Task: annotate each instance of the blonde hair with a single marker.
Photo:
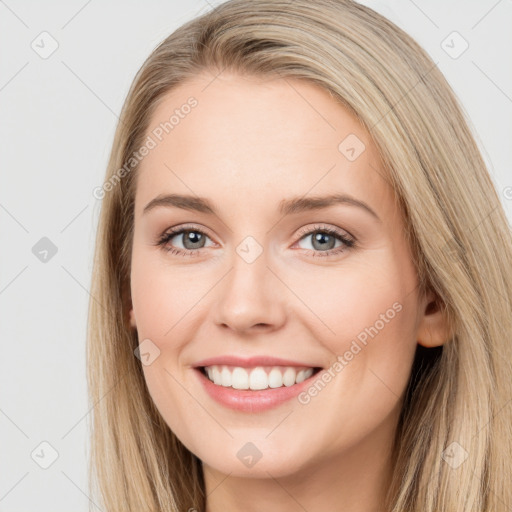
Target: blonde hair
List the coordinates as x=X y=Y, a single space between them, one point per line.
x=456 y=227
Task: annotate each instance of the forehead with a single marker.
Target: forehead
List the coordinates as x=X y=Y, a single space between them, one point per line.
x=242 y=138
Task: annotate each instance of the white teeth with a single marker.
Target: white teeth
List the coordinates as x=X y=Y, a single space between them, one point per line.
x=225 y=376
x=257 y=378
x=239 y=379
x=275 y=378
x=300 y=376
x=289 y=377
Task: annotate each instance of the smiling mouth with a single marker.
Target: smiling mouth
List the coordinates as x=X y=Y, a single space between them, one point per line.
x=258 y=377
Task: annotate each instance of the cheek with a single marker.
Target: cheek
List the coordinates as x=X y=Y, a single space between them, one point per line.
x=161 y=295
x=358 y=300
x=365 y=314
x=166 y=302
x=372 y=348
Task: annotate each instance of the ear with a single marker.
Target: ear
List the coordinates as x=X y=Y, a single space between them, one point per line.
x=433 y=329
x=133 y=323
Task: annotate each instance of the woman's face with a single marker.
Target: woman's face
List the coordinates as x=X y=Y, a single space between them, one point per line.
x=258 y=276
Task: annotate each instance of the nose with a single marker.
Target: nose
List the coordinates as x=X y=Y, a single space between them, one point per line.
x=250 y=298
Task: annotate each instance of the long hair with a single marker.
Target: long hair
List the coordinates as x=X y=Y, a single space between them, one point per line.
x=453 y=445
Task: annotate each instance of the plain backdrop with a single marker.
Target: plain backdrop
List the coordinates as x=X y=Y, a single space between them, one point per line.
x=58 y=115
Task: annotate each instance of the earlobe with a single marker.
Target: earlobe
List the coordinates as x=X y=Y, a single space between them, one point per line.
x=434 y=329
x=132 y=319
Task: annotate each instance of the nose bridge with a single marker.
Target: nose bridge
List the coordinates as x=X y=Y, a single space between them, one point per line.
x=249 y=295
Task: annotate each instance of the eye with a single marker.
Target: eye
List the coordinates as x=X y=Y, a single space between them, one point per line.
x=192 y=238
x=323 y=240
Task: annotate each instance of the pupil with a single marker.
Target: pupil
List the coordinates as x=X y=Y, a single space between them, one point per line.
x=319 y=237
x=193 y=237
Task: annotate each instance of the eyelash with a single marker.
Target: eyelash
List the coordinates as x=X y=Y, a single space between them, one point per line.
x=349 y=243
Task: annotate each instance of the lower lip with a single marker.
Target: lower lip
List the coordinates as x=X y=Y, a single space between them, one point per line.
x=247 y=400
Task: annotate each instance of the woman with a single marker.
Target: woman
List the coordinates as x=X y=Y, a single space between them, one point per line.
x=233 y=362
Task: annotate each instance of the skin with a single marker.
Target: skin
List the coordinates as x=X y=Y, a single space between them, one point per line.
x=247 y=145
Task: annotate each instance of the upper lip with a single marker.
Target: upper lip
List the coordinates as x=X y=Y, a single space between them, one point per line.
x=249 y=362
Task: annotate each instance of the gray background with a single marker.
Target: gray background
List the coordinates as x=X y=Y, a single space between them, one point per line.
x=58 y=119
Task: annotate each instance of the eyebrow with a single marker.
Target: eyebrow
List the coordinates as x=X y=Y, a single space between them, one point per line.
x=286 y=206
